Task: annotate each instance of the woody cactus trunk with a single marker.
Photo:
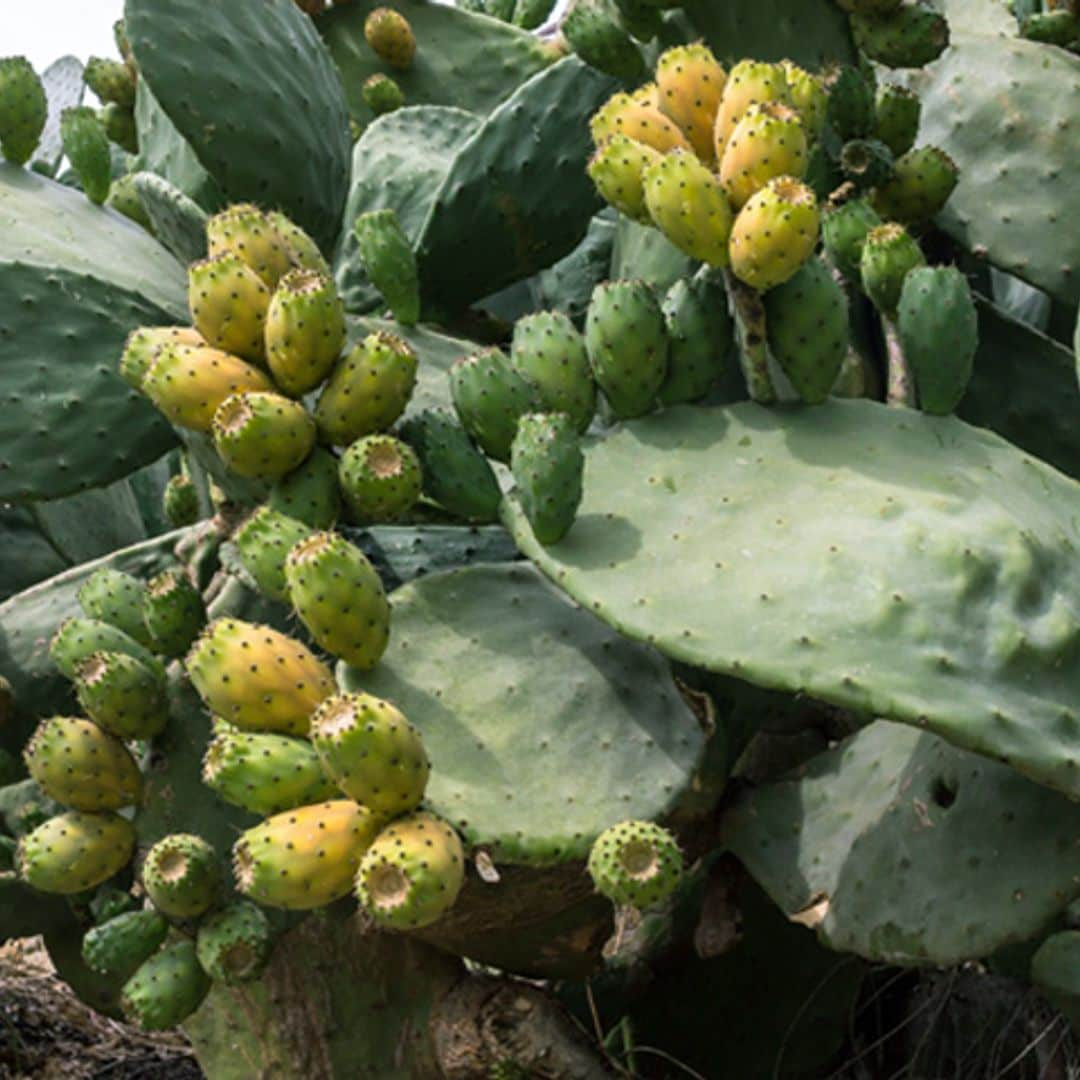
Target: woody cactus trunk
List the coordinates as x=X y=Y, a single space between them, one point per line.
x=540 y=546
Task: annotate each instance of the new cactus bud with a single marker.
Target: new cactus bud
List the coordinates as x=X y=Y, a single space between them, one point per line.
x=303 y=252
x=636 y=864
x=389 y=262
x=86 y=146
x=750 y=82
x=922 y=181
x=338 y=596
x=639 y=120
x=257 y=678
x=182 y=875
x=768 y=141
x=549 y=353
x=116 y=598
x=866 y=163
x=626 y=338
x=262 y=436
x=391 y=37
x=228 y=303
x=690 y=82
x=368 y=390
x=851 y=105
x=700 y=336
x=889 y=254
x=234 y=944
x=490 y=397
x=548 y=467
x=119 y=945
x=23 y=109
x=809 y=97
x=618 y=171
x=180 y=502
x=774 y=234
x=75 y=851
x=305 y=331
x=245 y=231
x=144 y=345
x=373 y=753
x=380 y=478
x=304 y=858
x=896 y=117
x=262 y=543
x=81 y=766
x=166 y=989
x=309 y=493
x=593 y=31
x=412 y=873
x=909 y=37
x=122 y=695
x=76 y=639
x=111 y=80
x=381 y=94
x=843 y=232
x=173 y=612
x=118 y=123
x=689 y=206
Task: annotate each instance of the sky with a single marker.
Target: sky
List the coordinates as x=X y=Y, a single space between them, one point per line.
x=44 y=30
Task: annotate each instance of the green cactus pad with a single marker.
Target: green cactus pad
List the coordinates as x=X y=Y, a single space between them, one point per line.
x=75 y=851
x=120 y=944
x=179 y=223
x=234 y=944
x=166 y=989
x=65 y=89
x=636 y=863
x=724 y=536
x=122 y=695
x=1055 y=970
x=24 y=109
x=513 y=766
x=885 y=841
x=389 y=262
x=181 y=875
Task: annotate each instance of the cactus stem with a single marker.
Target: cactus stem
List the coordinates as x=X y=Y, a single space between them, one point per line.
x=901 y=389
x=749 y=312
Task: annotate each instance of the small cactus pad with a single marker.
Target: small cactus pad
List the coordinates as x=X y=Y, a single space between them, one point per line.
x=75 y=851
x=166 y=989
x=234 y=944
x=23 y=109
x=547 y=464
x=635 y=863
x=182 y=875
x=119 y=945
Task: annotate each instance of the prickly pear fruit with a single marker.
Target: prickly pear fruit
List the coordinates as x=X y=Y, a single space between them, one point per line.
x=866 y=163
x=909 y=37
x=391 y=37
x=173 y=612
x=118 y=946
x=309 y=493
x=122 y=695
x=889 y=253
x=594 y=32
x=627 y=343
x=368 y=390
x=256 y=677
x=768 y=141
x=939 y=333
x=750 y=82
x=180 y=502
x=228 y=303
x=245 y=231
x=234 y=944
x=1058 y=27
x=144 y=345
x=455 y=474
x=635 y=863
x=851 y=105
x=117 y=598
x=531 y=14
x=618 y=171
x=896 y=117
x=338 y=596
x=303 y=252
x=166 y=989
x=689 y=206
x=86 y=146
x=690 y=82
x=412 y=873
x=188 y=384
x=75 y=851
x=81 y=766
x=700 y=336
x=639 y=120
x=490 y=397
x=843 y=231
x=304 y=858
x=262 y=543
x=548 y=466
x=774 y=234
x=380 y=478
x=23 y=109
x=305 y=331
x=549 y=353
x=389 y=262
x=123 y=45
x=809 y=97
x=641 y=18
x=807 y=320
x=373 y=753
x=111 y=80
x=922 y=181
x=76 y=639
x=262 y=436
x=118 y=123
x=182 y=876
x=108 y=902
x=381 y=94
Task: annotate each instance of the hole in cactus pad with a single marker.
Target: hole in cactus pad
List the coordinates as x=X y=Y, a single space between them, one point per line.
x=943 y=792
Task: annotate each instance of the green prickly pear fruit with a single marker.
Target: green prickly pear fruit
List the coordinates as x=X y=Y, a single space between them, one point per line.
x=75 y=851
x=807 y=320
x=548 y=467
x=23 y=109
x=165 y=989
x=592 y=29
x=368 y=390
x=455 y=474
x=843 y=232
x=768 y=141
x=244 y=231
x=228 y=303
x=626 y=338
x=119 y=945
x=262 y=436
x=303 y=252
x=823 y=174
x=173 y=612
x=389 y=262
x=866 y=163
x=896 y=117
x=111 y=80
x=144 y=345
x=774 y=234
x=549 y=353
x=889 y=254
x=809 y=97
x=256 y=677
x=124 y=199
x=640 y=119
x=412 y=873
x=262 y=543
x=851 y=105
x=380 y=478
x=1059 y=27
x=180 y=502
x=640 y=18
x=118 y=122
x=234 y=944
x=86 y=146
x=908 y=37
x=530 y=14
x=700 y=335
x=750 y=82
x=305 y=331
x=122 y=695
x=264 y=773
x=490 y=397
x=391 y=37
x=690 y=82
x=618 y=171
x=635 y=864
x=81 y=766
x=108 y=902
x=189 y=383
x=337 y=595
x=939 y=333
x=306 y=857
x=309 y=493
x=182 y=876
x=76 y=639
x=117 y=598
x=373 y=753
x=922 y=181
x=381 y=94
x=689 y=206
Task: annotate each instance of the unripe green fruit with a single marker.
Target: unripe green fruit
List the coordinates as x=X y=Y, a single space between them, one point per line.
x=166 y=989
x=851 y=105
x=380 y=478
x=594 y=33
x=635 y=863
x=263 y=542
x=897 y=114
x=173 y=611
x=888 y=255
x=866 y=163
x=700 y=335
x=23 y=109
x=122 y=695
x=110 y=80
x=116 y=598
x=922 y=181
x=262 y=436
x=548 y=466
x=389 y=262
x=75 y=851
x=844 y=230
x=118 y=122
x=907 y=37
x=550 y=354
x=86 y=146
x=381 y=94
x=234 y=944
x=180 y=502
x=76 y=639
x=490 y=398
x=182 y=875
x=310 y=492
x=119 y=945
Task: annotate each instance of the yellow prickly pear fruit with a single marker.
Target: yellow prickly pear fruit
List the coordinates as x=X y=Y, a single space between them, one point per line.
x=145 y=343
x=618 y=171
x=689 y=206
x=691 y=81
x=245 y=231
x=391 y=37
x=750 y=82
x=303 y=251
x=75 y=851
x=768 y=141
x=228 y=303
x=809 y=96
x=774 y=233
x=305 y=331
x=642 y=122
x=262 y=436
